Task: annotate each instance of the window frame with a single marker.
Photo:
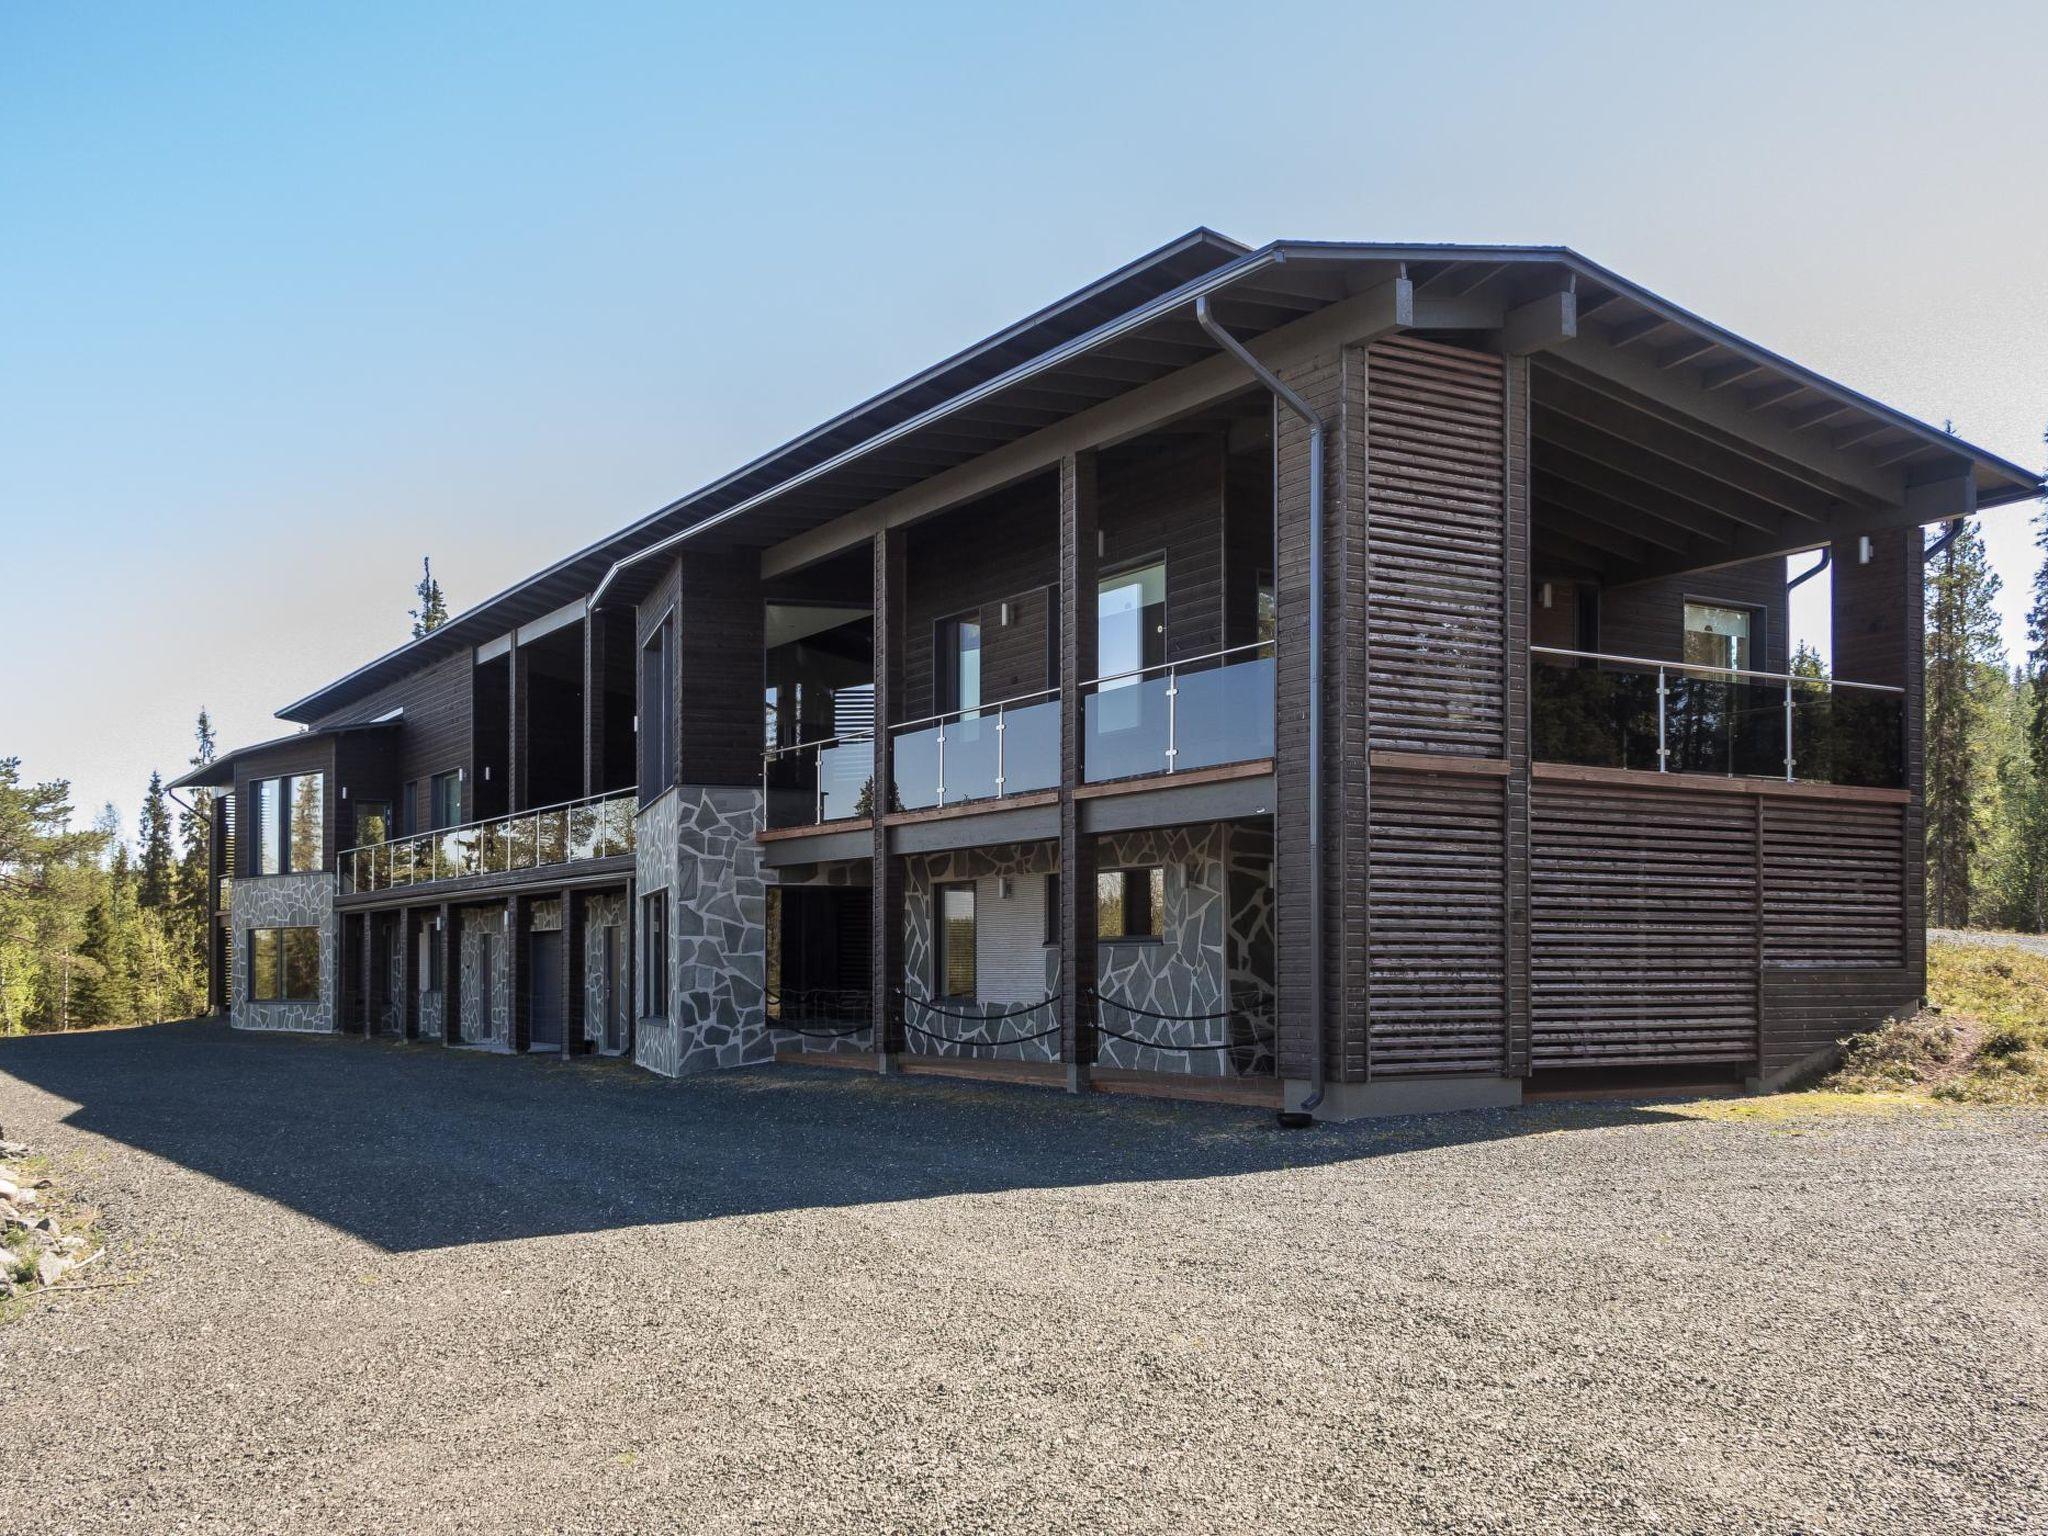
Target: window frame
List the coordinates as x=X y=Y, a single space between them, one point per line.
x=654 y=994
x=942 y=949
x=282 y=963
x=1148 y=878
x=946 y=653
x=451 y=778
x=654 y=727
x=1756 y=613
x=1152 y=643
x=273 y=842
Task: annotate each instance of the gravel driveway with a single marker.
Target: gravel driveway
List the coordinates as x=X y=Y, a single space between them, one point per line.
x=397 y=1288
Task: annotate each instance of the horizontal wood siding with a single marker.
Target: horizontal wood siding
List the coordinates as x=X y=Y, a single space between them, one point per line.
x=1436 y=997
x=1834 y=885
x=434 y=734
x=1438 y=542
x=1647 y=618
x=1643 y=923
x=1810 y=1012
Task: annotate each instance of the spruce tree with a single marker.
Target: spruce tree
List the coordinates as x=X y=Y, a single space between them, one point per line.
x=155 y=888
x=432 y=612
x=1964 y=659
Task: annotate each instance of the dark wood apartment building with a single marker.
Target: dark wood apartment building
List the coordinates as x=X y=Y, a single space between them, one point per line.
x=1349 y=677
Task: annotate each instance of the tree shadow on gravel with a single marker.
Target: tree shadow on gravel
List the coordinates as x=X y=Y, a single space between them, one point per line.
x=414 y=1146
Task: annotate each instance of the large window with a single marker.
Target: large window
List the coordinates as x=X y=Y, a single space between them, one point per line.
x=446 y=809
x=373 y=821
x=1130 y=903
x=953 y=962
x=657 y=730
x=290 y=824
x=1717 y=636
x=1130 y=622
x=956 y=663
x=409 y=808
x=284 y=965
x=654 y=955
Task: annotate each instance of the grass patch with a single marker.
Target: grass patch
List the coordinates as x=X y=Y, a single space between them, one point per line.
x=1984 y=1040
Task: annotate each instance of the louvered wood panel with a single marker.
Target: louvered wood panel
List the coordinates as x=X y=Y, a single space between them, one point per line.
x=1834 y=885
x=1438 y=546
x=1643 y=918
x=1436 y=1000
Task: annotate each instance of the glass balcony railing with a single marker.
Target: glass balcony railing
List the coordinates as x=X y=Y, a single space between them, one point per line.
x=1603 y=711
x=1179 y=716
x=1007 y=748
x=819 y=781
x=577 y=831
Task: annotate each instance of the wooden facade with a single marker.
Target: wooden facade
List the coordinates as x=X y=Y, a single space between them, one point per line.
x=1521 y=452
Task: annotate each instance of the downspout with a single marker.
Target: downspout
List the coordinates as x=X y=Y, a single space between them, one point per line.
x=1305 y=1113
x=1827 y=558
x=1944 y=541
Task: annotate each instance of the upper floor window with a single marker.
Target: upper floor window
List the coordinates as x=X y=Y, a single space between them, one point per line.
x=956 y=663
x=1722 y=637
x=656 y=723
x=290 y=824
x=446 y=810
x=373 y=821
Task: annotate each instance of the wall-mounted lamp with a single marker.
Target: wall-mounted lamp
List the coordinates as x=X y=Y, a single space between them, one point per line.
x=1863 y=549
x=1003 y=614
x=1006 y=887
x=1546 y=594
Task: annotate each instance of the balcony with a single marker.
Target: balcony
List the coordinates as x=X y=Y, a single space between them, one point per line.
x=1007 y=748
x=811 y=782
x=575 y=832
x=1180 y=715
x=1601 y=711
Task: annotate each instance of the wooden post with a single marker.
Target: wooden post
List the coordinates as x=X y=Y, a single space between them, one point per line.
x=593 y=703
x=408 y=976
x=573 y=920
x=366 y=970
x=518 y=919
x=1078 y=624
x=515 y=722
x=885 y=918
x=451 y=976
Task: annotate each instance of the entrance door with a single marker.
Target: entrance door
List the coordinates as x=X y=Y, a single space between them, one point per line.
x=614 y=988
x=544 y=997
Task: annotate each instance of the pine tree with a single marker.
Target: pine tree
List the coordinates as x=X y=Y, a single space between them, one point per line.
x=155 y=889
x=1806 y=662
x=432 y=612
x=1964 y=660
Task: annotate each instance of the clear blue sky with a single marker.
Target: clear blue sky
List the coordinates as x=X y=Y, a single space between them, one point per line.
x=292 y=295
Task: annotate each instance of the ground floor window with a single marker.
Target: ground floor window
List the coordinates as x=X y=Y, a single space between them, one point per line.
x=1129 y=903
x=654 y=949
x=953 y=959
x=284 y=965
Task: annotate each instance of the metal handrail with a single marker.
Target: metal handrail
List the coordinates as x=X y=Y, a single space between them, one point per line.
x=847 y=739
x=432 y=836
x=974 y=709
x=1789 y=680
x=1182 y=662
x=999 y=711
x=1713 y=671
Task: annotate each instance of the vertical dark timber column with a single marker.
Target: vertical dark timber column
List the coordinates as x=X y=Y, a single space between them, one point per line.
x=571 y=972
x=515 y=730
x=408 y=974
x=451 y=975
x=366 y=992
x=885 y=921
x=1078 y=581
x=518 y=915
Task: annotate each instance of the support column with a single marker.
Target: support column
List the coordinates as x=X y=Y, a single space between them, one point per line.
x=408 y=976
x=885 y=918
x=451 y=976
x=515 y=720
x=593 y=703
x=518 y=915
x=1078 y=583
x=573 y=920
x=366 y=971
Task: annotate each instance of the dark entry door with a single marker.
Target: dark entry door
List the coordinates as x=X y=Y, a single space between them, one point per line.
x=544 y=999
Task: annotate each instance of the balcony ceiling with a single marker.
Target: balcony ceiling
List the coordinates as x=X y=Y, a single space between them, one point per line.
x=1646 y=411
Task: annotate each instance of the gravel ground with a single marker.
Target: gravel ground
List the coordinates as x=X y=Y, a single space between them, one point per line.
x=2033 y=943
x=397 y=1288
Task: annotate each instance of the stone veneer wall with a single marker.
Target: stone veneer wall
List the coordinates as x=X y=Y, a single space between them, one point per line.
x=697 y=842
x=1027 y=863
x=599 y=913
x=284 y=901
x=480 y=1025
x=1183 y=971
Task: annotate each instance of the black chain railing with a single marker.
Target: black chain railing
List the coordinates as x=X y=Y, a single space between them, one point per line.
x=808 y=1019
x=1228 y=1015
x=972 y=1042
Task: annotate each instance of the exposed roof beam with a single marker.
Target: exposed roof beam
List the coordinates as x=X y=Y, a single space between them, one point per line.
x=1629 y=332
x=1589 y=556
x=1554 y=491
x=1678 y=400
x=1771 y=393
x=1862 y=431
x=1589 y=306
x=1644 y=498
x=1814 y=415
x=1672 y=470
x=1685 y=351
x=1723 y=374
x=1943 y=500
x=1540 y=323
x=1898 y=453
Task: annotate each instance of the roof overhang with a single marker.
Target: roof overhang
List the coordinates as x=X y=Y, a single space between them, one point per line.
x=220 y=773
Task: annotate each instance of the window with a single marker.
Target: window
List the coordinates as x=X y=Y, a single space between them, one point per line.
x=654 y=955
x=1130 y=622
x=956 y=664
x=284 y=965
x=290 y=824
x=1129 y=903
x=953 y=960
x=657 y=731
x=1052 y=908
x=429 y=968
x=1716 y=636
x=446 y=809
x=373 y=821
x=409 y=809
x=1267 y=608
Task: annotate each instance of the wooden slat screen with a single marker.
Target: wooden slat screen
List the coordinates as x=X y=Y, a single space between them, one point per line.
x=1643 y=919
x=1834 y=885
x=1436 y=999
x=1438 y=548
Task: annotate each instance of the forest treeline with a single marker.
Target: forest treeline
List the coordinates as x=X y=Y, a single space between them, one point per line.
x=94 y=930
